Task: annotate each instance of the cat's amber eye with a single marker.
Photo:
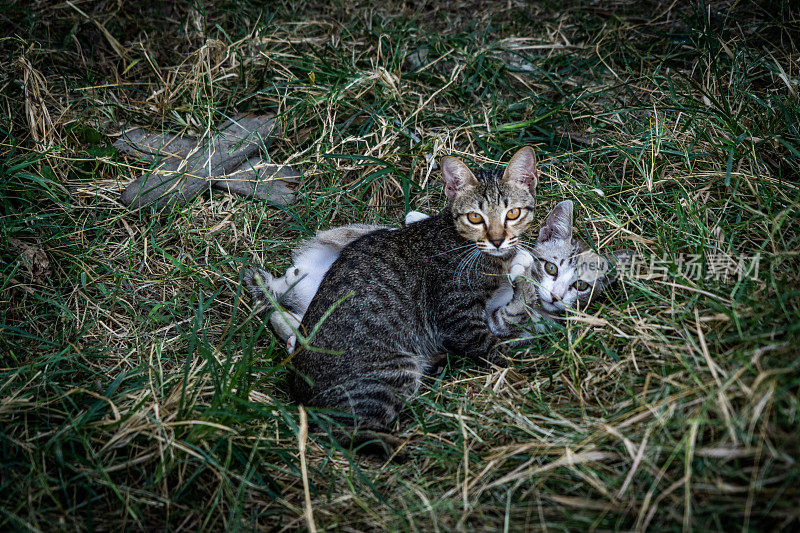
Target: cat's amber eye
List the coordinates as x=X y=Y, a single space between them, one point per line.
x=581 y=285
x=513 y=214
x=474 y=217
x=550 y=268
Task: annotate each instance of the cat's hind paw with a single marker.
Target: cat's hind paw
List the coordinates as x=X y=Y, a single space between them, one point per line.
x=293 y=276
x=258 y=281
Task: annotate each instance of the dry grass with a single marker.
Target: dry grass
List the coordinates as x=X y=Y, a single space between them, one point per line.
x=138 y=390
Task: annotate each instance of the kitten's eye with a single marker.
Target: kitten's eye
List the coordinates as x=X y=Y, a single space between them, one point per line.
x=581 y=285
x=550 y=268
x=474 y=217
x=513 y=214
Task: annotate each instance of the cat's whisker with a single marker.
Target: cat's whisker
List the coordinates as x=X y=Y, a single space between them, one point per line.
x=467 y=265
x=473 y=269
x=476 y=268
x=451 y=250
x=527 y=248
x=460 y=266
x=471 y=249
x=460 y=258
x=465 y=256
x=464 y=265
x=466 y=268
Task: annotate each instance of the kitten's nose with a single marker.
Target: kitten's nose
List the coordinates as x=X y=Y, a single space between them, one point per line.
x=497 y=242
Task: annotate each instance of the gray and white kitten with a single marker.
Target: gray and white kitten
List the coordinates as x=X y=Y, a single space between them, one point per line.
x=580 y=275
x=564 y=274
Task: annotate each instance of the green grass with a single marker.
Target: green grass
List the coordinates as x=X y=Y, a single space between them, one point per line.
x=138 y=389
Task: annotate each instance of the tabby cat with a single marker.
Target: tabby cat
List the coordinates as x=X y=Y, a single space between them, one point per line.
x=402 y=297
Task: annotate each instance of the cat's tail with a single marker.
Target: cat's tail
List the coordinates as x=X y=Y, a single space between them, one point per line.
x=371 y=443
x=359 y=411
x=367 y=441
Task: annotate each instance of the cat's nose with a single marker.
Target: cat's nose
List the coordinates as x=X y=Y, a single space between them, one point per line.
x=497 y=242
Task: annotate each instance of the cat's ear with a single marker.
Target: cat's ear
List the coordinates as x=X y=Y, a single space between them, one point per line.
x=457 y=176
x=522 y=168
x=558 y=224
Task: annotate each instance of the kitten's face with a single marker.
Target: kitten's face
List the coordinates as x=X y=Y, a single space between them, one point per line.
x=493 y=210
x=570 y=274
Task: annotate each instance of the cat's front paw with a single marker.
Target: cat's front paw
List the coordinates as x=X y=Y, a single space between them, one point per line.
x=520 y=265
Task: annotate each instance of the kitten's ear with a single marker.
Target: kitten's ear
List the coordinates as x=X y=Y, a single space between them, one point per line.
x=559 y=223
x=457 y=176
x=522 y=168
